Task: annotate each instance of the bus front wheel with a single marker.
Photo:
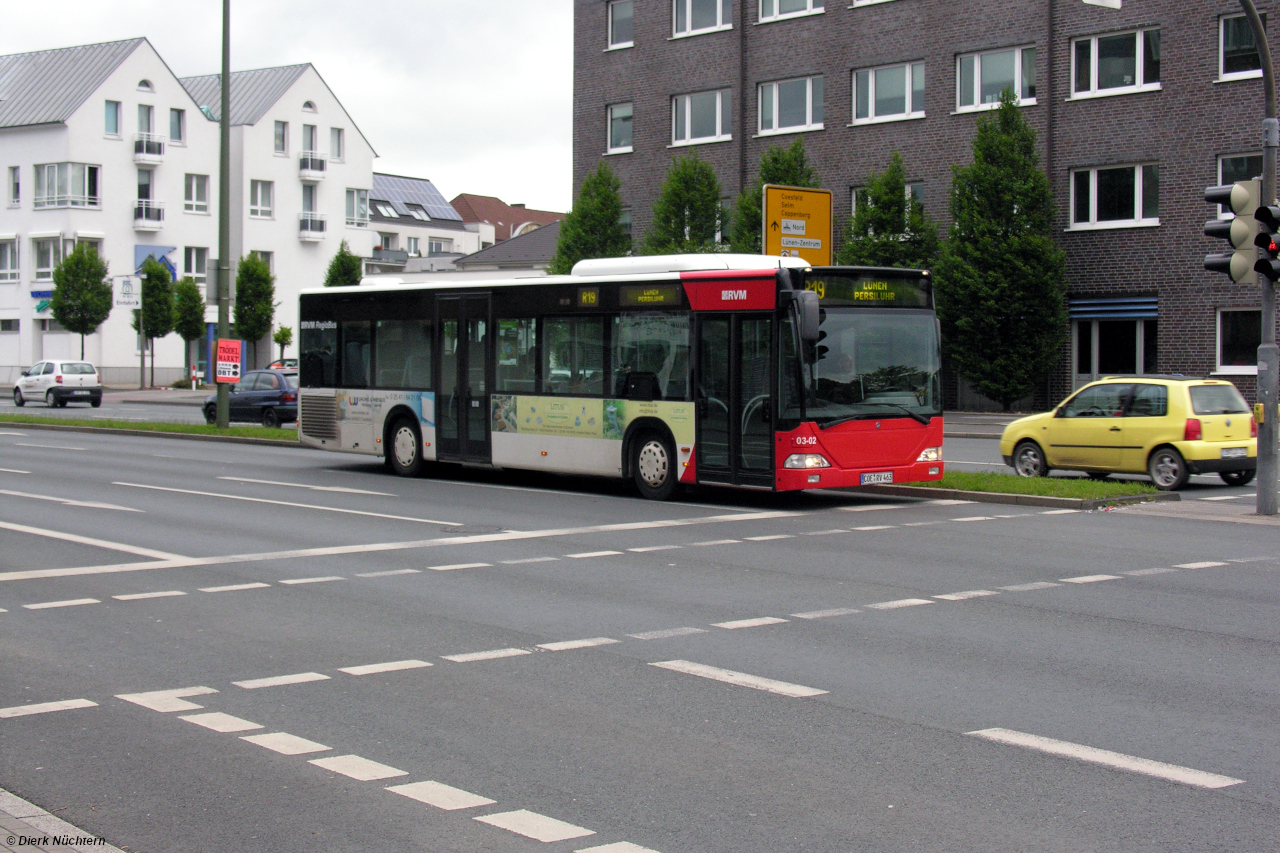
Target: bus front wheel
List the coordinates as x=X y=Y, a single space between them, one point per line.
x=404 y=448
x=653 y=466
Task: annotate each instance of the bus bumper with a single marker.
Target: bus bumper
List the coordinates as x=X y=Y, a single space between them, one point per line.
x=792 y=479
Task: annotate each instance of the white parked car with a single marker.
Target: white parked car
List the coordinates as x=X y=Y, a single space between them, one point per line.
x=58 y=383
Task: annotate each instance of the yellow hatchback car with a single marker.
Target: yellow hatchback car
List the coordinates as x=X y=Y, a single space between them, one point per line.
x=1166 y=427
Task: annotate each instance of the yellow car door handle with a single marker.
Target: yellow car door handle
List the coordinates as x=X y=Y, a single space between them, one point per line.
x=1115 y=429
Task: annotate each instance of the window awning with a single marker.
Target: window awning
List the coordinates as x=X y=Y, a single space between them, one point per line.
x=1115 y=308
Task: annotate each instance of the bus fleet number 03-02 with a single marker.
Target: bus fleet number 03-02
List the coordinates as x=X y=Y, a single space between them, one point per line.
x=806 y=439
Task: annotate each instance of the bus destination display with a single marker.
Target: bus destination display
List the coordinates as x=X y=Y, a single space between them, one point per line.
x=871 y=291
x=644 y=295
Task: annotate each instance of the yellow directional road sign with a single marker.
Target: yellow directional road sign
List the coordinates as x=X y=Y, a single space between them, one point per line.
x=797 y=223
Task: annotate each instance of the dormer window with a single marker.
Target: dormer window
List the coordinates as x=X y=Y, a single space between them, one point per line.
x=145 y=86
x=308 y=107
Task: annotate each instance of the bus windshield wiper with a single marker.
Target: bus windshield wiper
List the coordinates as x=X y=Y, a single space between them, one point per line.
x=916 y=416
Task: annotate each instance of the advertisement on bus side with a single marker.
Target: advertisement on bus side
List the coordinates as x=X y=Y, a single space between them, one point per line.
x=586 y=418
x=365 y=405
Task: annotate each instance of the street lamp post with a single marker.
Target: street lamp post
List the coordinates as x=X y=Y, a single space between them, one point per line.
x=224 y=211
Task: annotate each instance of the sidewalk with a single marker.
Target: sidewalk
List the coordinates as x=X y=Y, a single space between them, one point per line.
x=24 y=826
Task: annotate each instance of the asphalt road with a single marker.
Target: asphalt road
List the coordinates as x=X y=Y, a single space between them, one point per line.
x=552 y=658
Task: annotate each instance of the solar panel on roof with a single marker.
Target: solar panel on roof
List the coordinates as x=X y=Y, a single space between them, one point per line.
x=416 y=191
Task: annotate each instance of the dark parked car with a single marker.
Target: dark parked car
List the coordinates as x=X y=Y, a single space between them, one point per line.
x=269 y=397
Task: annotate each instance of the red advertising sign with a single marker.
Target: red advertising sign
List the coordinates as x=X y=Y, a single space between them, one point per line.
x=228 y=362
x=720 y=291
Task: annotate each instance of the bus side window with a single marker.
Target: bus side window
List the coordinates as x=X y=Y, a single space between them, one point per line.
x=356 y=341
x=318 y=347
x=402 y=353
x=517 y=364
x=652 y=344
x=573 y=355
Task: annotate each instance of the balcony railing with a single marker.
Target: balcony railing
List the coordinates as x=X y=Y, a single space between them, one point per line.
x=148 y=215
x=311 y=164
x=395 y=257
x=148 y=148
x=67 y=201
x=311 y=226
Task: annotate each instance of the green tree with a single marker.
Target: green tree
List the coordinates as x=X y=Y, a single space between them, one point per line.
x=283 y=337
x=889 y=227
x=1001 y=290
x=687 y=214
x=345 y=270
x=82 y=296
x=593 y=228
x=157 y=306
x=188 y=316
x=787 y=167
x=255 y=308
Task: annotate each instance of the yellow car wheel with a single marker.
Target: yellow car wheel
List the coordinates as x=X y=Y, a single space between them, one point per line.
x=1028 y=460
x=1168 y=469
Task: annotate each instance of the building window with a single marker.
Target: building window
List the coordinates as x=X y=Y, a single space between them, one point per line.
x=1237 y=52
x=15 y=186
x=624 y=219
x=1239 y=336
x=385 y=209
x=66 y=185
x=111 y=123
x=411 y=246
x=1114 y=64
x=619 y=129
x=335 y=144
x=703 y=117
x=8 y=260
x=146 y=115
x=773 y=10
x=358 y=208
x=439 y=245
x=145 y=86
x=914 y=190
x=308 y=106
x=269 y=257
x=1237 y=167
x=177 y=125
x=621 y=30
x=195 y=263
x=791 y=105
x=888 y=94
x=981 y=77
x=1115 y=197
x=195 y=198
x=48 y=254
x=386 y=241
x=417 y=213
x=282 y=137
x=260 y=198
x=701 y=16
x=310 y=140
x=9 y=325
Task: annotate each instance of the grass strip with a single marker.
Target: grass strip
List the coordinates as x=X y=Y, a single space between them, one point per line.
x=283 y=434
x=1049 y=487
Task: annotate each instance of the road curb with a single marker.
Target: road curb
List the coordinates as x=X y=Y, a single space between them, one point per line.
x=949 y=434
x=235 y=439
x=1005 y=498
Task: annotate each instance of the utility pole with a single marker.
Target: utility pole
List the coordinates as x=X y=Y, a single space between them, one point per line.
x=224 y=210
x=142 y=341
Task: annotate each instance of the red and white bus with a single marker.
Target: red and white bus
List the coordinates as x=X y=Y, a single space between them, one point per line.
x=734 y=370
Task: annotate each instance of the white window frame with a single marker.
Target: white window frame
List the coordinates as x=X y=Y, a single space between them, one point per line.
x=609 y=147
x=683 y=102
x=720 y=25
x=1231 y=369
x=769 y=91
x=1222 y=34
x=357 y=211
x=411 y=246
x=1019 y=77
x=64 y=194
x=911 y=190
x=1093 y=224
x=269 y=257
x=1224 y=214
x=280 y=138
x=195 y=263
x=12 y=271
x=914 y=110
x=384 y=208
x=439 y=245
x=55 y=253
x=337 y=144
x=195 y=193
x=1140 y=83
x=857 y=3
x=770 y=11
x=620 y=45
x=261 y=203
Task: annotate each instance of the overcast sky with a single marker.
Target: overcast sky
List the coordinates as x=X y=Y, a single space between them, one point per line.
x=474 y=94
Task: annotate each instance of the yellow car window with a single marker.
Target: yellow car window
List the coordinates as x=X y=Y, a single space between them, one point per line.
x=1100 y=401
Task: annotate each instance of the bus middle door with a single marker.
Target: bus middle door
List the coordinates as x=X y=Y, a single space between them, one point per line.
x=462 y=411
x=735 y=399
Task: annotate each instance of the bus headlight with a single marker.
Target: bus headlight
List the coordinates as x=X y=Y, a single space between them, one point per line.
x=931 y=454
x=806 y=460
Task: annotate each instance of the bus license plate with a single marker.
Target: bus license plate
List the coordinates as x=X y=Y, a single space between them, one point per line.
x=81 y=392
x=878 y=477
x=1234 y=452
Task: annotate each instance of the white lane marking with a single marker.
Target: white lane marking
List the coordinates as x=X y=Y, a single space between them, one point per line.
x=220 y=722
x=901 y=602
x=1206 y=565
x=7 y=432
x=47 y=446
x=649 y=548
x=138 y=596
x=324 y=579
x=286 y=744
x=667 y=632
x=13 y=470
x=1059 y=511
x=748 y=623
x=235 y=587
x=84 y=540
x=1224 y=498
x=870 y=507
x=1090 y=578
x=966 y=595
x=452 y=566
x=974 y=518
x=342 y=489
x=1107 y=758
x=358 y=768
x=535 y=826
x=826 y=532
x=617 y=847
x=876 y=527
x=1028 y=587
x=72 y=602
x=715 y=542
x=566 y=645
x=947 y=502
x=441 y=796
x=741 y=679
x=390 y=666
x=922 y=523
x=826 y=614
x=585 y=554
x=319 y=507
x=45 y=708
x=68 y=501
x=489 y=655
x=1141 y=572
x=769 y=538
x=530 y=560
x=168 y=701
x=279 y=680
x=390 y=573
x=380 y=547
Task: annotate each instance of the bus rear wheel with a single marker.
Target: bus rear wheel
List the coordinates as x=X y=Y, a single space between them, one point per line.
x=404 y=448
x=653 y=466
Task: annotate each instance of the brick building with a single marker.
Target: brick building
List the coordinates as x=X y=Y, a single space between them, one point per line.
x=1136 y=111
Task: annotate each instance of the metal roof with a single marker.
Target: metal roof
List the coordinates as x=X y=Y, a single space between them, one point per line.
x=400 y=191
x=252 y=92
x=47 y=86
x=529 y=249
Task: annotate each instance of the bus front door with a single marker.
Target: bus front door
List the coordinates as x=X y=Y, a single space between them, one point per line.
x=462 y=406
x=735 y=400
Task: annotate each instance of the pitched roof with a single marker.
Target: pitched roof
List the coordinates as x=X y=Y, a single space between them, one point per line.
x=47 y=86
x=504 y=218
x=400 y=190
x=252 y=92
x=531 y=250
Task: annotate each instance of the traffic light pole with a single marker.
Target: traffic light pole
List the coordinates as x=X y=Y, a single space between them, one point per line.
x=224 y=212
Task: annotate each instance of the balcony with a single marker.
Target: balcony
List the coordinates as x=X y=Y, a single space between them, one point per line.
x=311 y=227
x=148 y=215
x=390 y=257
x=148 y=148
x=46 y=201
x=311 y=166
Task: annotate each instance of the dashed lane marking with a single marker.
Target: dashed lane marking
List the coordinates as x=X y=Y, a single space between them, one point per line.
x=966 y=595
x=220 y=722
x=341 y=489
x=68 y=501
x=769 y=538
x=324 y=579
x=453 y=566
x=1090 y=578
x=48 y=446
x=871 y=507
x=826 y=532
x=749 y=623
x=975 y=518
x=922 y=523
x=715 y=542
x=489 y=655
x=45 y=708
x=72 y=602
x=7 y=432
x=876 y=527
x=1107 y=758
x=741 y=679
x=666 y=632
x=441 y=796
x=281 y=680
x=535 y=826
x=138 y=596
x=286 y=744
x=617 y=847
x=826 y=614
x=1205 y=565
x=1028 y=587
x=391 y=666
x=168 y=701
x=82 y=540
x=235 y=587
x=530 y=560
x=901 y=602
x=13 y=470
x=390 y=573
x=947 y=502
x=1142 y=572
x=1059 y=511
x=566 y=645
x=649 y=548
x=586 y=554
x=361 y=769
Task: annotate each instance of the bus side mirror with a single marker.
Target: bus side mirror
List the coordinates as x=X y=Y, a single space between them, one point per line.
x=807 y=310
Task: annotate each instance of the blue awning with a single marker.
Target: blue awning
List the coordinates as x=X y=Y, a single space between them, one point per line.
x=1115 y=308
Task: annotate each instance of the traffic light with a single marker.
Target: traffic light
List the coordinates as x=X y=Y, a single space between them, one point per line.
x=1268 y=222
x=1242 y=198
